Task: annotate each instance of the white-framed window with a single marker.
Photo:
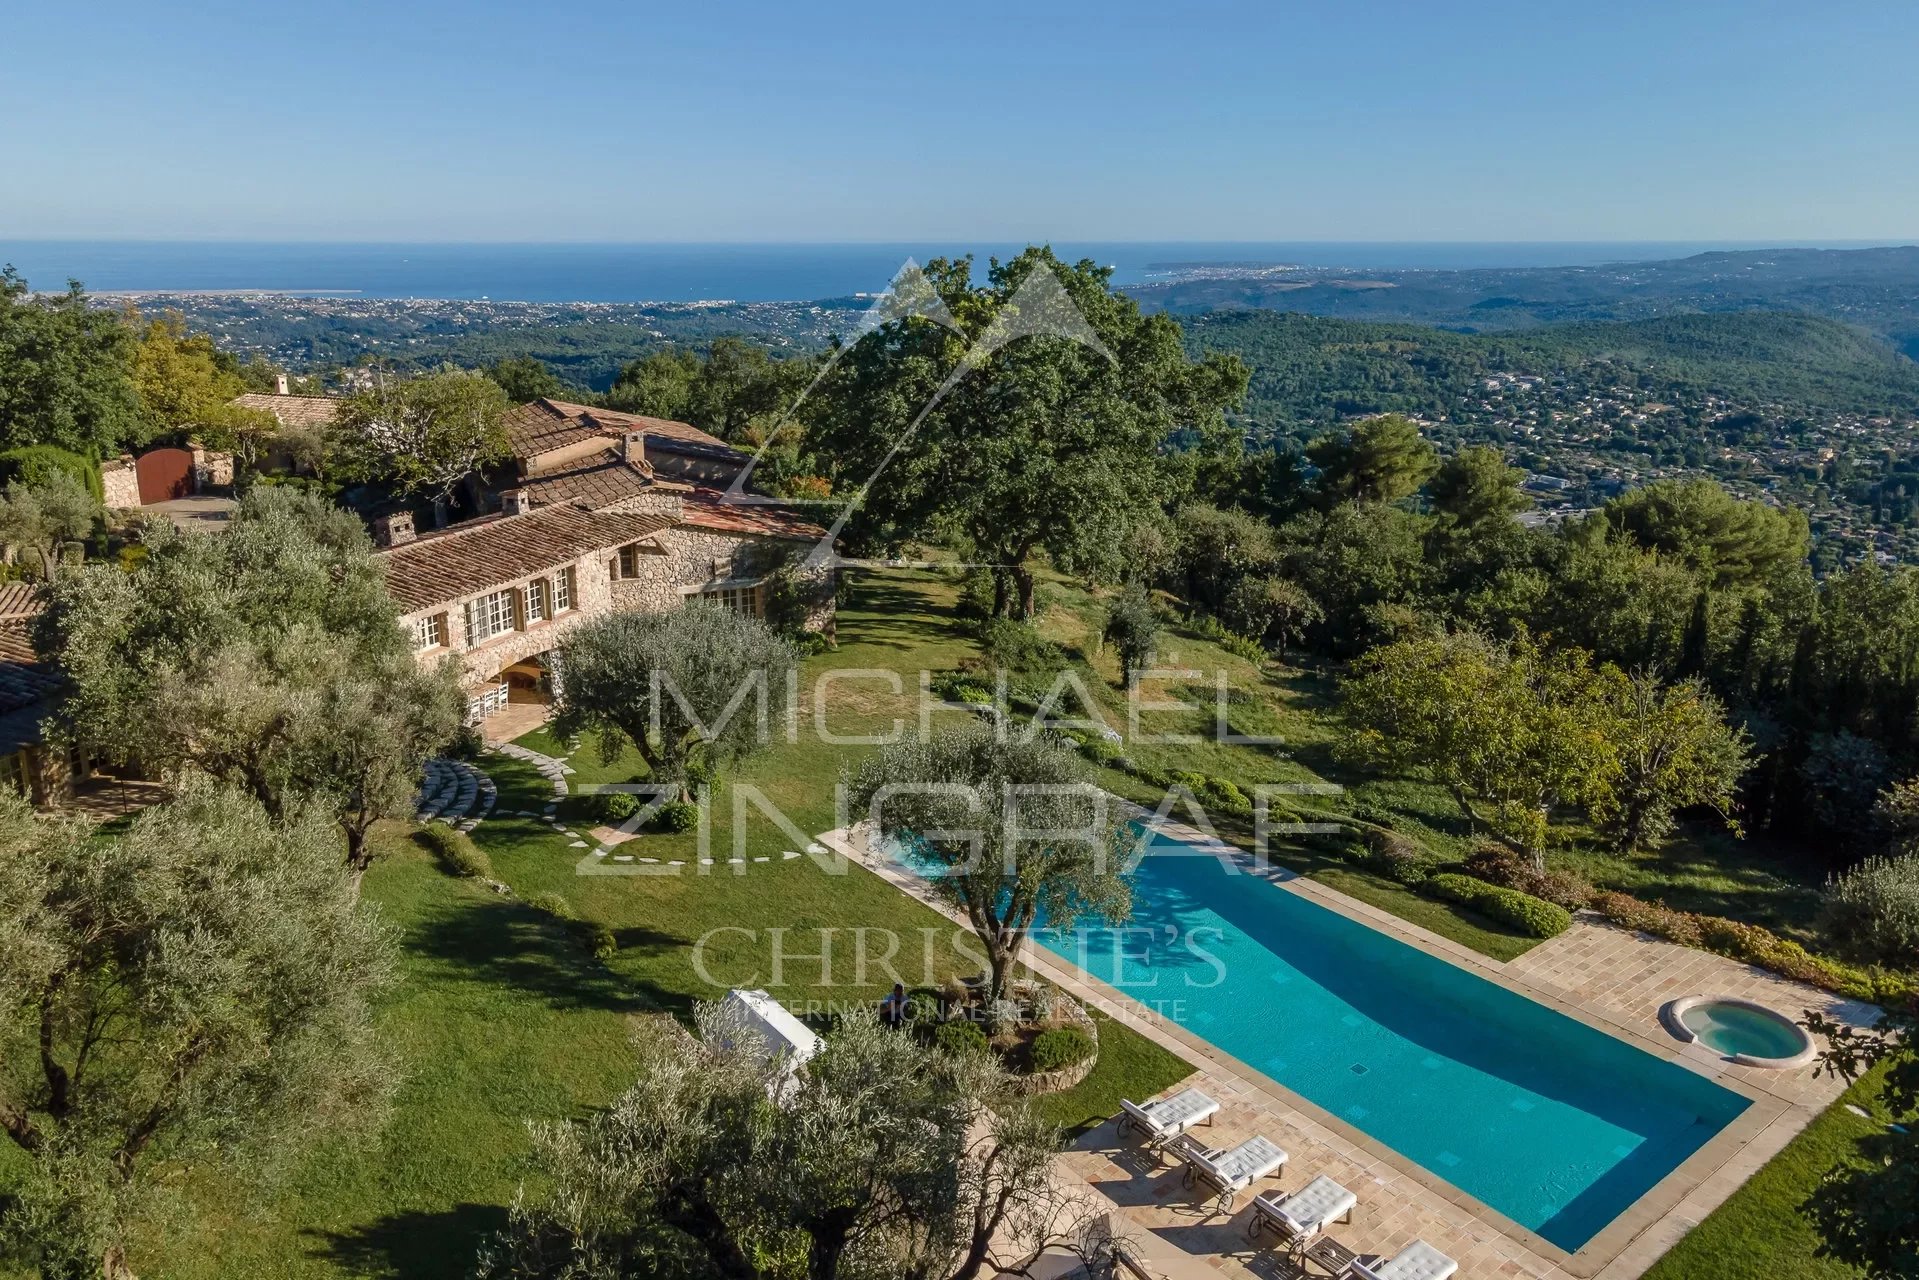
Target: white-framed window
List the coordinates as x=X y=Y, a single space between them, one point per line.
x=535 y=610
x=563 y=590
x=739 y=599
x=489 y=616
x=430 y=632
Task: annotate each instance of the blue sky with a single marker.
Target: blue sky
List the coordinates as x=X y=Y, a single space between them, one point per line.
x=611 y=120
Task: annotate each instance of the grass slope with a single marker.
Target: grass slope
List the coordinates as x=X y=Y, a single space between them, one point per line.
x=496 y=1020
x=1759 y=1231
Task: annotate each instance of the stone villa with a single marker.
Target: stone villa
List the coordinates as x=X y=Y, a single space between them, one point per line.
x=597 y=512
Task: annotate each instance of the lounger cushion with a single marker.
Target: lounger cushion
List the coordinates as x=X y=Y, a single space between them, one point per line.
x=1417 y=1261
x=1246 y=1163
x=1185 y=1108
x=1309 y=1209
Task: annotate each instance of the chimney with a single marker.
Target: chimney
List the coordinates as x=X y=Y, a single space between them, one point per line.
x=513 y=503
x=633 y=448
x=395 y=529
x=280 y=385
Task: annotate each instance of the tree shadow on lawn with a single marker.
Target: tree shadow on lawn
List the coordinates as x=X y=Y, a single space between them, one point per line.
x=900 y=618
x=507 y=943
x=412 y=1245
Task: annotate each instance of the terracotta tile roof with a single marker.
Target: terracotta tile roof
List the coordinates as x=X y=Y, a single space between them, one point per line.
x=24 y=679
x=20 y=600
x=602 y=481
x=707 y=509
x=293 y=411
x=614 y=422
x=477 y=555
x=541 y=427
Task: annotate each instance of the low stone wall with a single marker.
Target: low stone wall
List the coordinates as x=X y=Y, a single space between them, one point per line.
x=1041 y=1082
x=119 y=483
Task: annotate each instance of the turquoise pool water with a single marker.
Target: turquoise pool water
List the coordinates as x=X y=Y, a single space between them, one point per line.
x=1556 y=1125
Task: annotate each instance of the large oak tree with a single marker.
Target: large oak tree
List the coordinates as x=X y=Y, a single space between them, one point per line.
x=1042 y=418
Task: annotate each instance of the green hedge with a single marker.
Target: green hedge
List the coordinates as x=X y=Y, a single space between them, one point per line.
x=1510 y=907
x=677 y=816
x=961 y=1037
x=32 y=463
x=615 y=806
x=1061 y=1047
x=456 y=851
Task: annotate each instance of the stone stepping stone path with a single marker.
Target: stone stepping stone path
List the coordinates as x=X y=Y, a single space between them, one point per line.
x=554 y=771
x=456 y=793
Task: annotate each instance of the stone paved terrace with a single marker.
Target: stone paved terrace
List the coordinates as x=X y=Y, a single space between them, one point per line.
x=1604 y=976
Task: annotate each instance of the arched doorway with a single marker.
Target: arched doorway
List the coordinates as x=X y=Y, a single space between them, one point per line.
x=164 y=474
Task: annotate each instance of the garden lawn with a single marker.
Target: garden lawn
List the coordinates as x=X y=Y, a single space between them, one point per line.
x=1759 y=1231
x=497 y=1019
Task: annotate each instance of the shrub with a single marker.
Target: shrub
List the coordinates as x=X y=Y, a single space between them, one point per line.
x=1225 y=794
x=1509 y=907
x=1498 y=864
x=600 y=941
x=1454 y=887
x=962 y=686
x=1100 y=750
x=1396 y=857
x=677 y=816
x=1231 y=641
x=960 y=1037
x=614 y=806
x=1020 y=648
x=467 y=743
x=1660 y=921
x=1152 y=777
x=1871 y=912
x=555 y=905
x=1061 y=1047
x=922 y=1008
x=810 y=643
x=1524 y=912
x=32 y=464
x=457 y=853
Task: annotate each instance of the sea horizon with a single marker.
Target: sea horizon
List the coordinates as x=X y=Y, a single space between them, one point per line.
x=726 y=271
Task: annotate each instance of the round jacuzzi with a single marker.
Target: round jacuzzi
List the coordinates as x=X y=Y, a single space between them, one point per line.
x=1748 y=1033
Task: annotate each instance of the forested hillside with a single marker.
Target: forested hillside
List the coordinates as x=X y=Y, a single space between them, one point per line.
x=1309 y=370
x=1876 y=289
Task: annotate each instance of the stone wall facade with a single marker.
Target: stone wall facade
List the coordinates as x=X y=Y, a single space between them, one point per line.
x=663 y=571
x=119 y=483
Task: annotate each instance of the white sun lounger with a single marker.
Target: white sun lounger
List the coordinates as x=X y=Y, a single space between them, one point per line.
x=1229 y=1171
x=1169 y=1117
x=1306 y=1213
x=1417 y=1261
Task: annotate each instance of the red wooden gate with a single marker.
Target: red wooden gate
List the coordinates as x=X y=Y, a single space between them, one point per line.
x=164 y=474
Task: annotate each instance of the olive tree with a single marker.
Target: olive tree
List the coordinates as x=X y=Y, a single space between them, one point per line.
x=193 y=992
x=41 y=516
x=269 y=657
x=691 y=688
x=1012 y=829
x=885 y=1159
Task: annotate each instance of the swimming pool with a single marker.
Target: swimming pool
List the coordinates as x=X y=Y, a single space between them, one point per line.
x=1554 y=1124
